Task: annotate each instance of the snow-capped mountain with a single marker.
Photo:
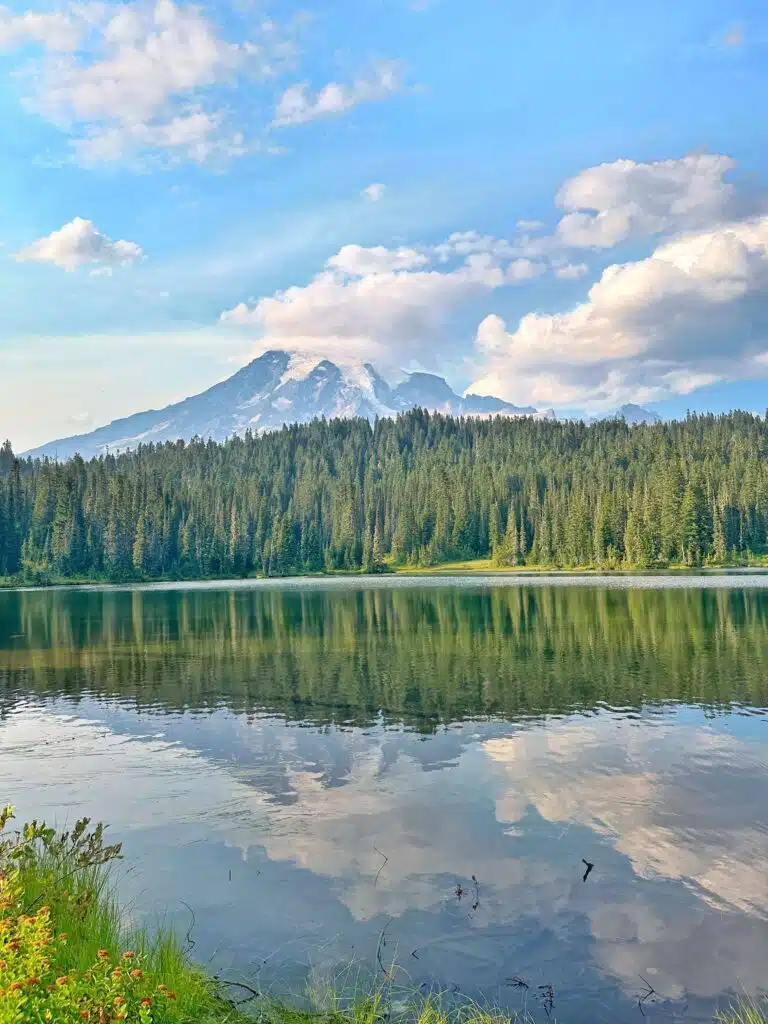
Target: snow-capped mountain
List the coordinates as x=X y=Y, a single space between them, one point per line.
x=275 y=389
x=634 y=414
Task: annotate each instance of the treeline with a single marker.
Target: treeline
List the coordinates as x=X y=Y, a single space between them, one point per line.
x=419 y=490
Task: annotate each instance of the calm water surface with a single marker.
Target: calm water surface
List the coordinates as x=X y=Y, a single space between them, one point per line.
x=307 y=765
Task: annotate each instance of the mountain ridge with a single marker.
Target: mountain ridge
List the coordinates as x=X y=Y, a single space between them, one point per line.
x=272 y=390
x=277 y=388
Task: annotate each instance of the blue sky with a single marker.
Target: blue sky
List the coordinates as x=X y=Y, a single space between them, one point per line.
x=185 y=185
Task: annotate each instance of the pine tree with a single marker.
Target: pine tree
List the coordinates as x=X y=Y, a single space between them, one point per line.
x=635 y=549
x=696 y=526
x=507 y=552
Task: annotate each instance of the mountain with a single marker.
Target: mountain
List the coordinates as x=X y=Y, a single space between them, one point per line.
x=634 y=414
x=275 y=389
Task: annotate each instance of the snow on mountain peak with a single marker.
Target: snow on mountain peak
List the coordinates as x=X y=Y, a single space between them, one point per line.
x=274 y=389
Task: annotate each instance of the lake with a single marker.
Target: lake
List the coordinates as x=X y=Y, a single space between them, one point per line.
x=317 y=779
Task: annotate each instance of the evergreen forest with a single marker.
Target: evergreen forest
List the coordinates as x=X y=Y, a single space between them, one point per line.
x=420 y=490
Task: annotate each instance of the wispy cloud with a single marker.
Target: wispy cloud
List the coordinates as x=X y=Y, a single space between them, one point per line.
x=374 y=192
x=138 y=78
x=298 y=104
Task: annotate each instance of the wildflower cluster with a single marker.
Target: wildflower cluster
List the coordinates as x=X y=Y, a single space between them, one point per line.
x=35 y=988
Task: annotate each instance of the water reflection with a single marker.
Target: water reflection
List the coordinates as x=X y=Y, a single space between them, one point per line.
x=174 y=717
x=416 y=655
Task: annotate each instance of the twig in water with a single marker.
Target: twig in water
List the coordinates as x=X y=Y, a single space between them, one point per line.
x=383 y=864
x=651 y=991
x=240 y=984
x=189 y=941
x=547 y=998
x=588 y=866
x=382 y=942
x=518 y=982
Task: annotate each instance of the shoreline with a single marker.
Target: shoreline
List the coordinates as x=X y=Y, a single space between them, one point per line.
x=478 y=567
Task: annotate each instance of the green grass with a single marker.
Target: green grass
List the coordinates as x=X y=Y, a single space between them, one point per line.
x=743 y=1013
x=487 y=565
x=470 y=566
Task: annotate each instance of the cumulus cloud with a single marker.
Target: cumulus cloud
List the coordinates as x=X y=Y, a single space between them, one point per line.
x=614 y=201
x=298 y=105
x=358 y=261
x=374 y=192
x=140 y=77
x=692 y=313
x=377 y=303
x=79 y=244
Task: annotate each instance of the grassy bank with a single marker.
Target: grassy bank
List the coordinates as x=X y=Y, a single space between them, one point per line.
x=473 y=566
x=65 y=955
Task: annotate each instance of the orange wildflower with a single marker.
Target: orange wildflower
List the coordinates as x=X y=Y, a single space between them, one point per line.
x=136 y=973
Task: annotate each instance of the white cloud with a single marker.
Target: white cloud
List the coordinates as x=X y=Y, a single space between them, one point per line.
x=693 y=312
x=297 y=105
x=79 y=243
x=358 y=261
x=690 y=314
x=384 y=304
x=141 y=78
x=374 y=192
x=614 y=201
x=463 y=243
x=530 y=225
x=570 y=271
x=523 y=270
x=197 y=136
x=56 y=31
